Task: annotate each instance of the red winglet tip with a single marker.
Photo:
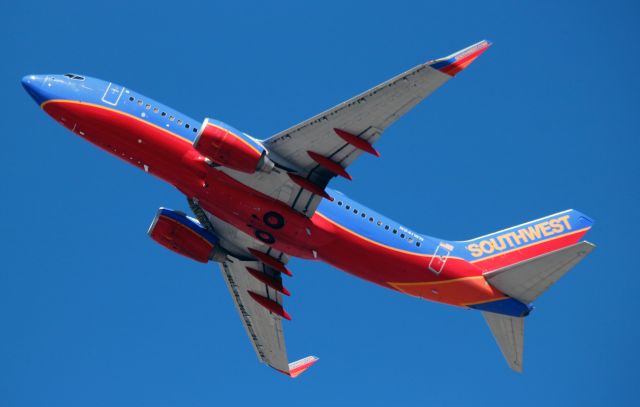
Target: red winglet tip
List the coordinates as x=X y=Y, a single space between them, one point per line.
x=456 y=62
x=300 y=366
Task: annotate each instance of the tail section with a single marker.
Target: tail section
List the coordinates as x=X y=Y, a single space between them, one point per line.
x=509 y=246
x=525 y=281
x=522 y=262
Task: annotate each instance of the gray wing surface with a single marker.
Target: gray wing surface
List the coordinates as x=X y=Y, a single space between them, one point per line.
x=366 y=115
x=263 y=327
x=509 y=334
x=527 y=280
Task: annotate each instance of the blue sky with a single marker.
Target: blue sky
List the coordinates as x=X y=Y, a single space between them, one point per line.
x=94 y=313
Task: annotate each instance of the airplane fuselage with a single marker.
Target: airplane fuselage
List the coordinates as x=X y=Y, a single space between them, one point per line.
x=342 y=232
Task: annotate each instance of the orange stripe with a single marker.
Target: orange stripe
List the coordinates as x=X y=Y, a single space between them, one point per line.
x=485 y=301
x=462 y=291
x=426 y=283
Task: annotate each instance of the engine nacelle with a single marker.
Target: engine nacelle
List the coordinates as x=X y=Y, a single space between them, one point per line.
x=184 y=235
x=226 y=146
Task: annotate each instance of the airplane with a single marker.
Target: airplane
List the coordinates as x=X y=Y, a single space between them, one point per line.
x=258 y=203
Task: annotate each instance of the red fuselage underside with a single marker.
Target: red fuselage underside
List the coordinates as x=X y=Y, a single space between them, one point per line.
x=173 y=159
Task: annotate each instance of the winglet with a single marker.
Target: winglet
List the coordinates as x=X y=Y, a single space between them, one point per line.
x=299 y=366
x=458 y=61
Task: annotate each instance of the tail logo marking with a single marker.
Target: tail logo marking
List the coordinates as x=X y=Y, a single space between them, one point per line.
x=523 y=235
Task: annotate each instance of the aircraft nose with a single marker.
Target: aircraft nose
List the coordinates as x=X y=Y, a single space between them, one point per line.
x=34 y=85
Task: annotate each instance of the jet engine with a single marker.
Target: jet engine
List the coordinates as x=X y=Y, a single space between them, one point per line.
x=226 y=146
x=184 y=235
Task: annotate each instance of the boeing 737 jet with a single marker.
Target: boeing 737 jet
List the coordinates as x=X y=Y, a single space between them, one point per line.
x=258 y=203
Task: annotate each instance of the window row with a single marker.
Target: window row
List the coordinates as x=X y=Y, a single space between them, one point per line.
x=163 y=114
x=363 y=215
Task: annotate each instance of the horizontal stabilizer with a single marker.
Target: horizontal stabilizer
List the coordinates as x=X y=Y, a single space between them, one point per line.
x=509 y=333
x=525 y=281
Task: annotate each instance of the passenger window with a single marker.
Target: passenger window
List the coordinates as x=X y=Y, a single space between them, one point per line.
x=386 y=227
x=139 y=102
x=148 y=106
x=187 y=125
x=171 y=118
x=339 y=203
x=156 y=110
x=131 y=98
x=163 y=114
x=395 y=231
x=402 y=235
x=355 y=211
x=379 y=223
x=179 y=122
x=347 y=207
x=195 y=130
x=364 y=215
x=418 y=244
x=371 y=219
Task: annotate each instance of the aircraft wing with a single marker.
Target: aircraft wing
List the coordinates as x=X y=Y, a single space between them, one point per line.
x=326 y=144
x=310 y=153
x=253 y=274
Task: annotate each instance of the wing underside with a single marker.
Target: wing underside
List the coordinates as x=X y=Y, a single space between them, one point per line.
x=323 y=146
x=257 y=290
x=263 y=326
x=307 y=156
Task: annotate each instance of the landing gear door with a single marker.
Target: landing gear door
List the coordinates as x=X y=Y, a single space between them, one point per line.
x=440 y=256
x=113 y=94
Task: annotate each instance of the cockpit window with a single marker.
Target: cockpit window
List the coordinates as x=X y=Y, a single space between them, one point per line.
x=74 y=77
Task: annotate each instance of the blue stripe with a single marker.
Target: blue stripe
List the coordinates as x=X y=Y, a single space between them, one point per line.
x=508 y=306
